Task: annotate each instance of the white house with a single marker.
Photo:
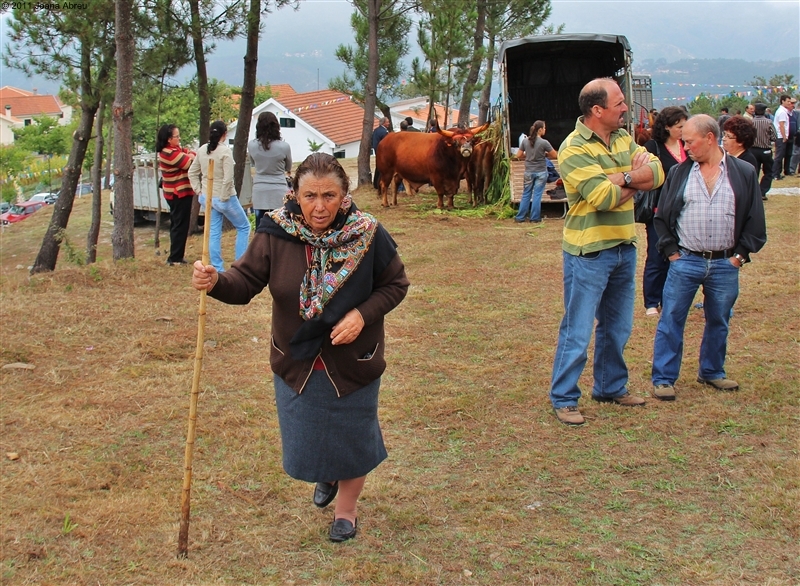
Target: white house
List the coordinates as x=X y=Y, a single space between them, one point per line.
x=417 y=109
x=25 y=106
x=7 y=123
x=325 y=117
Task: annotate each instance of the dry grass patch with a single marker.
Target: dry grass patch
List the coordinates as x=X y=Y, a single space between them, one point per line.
x=482 y=486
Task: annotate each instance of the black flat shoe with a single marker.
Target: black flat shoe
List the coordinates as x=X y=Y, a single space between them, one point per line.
x=342 y=530
x=324 y=493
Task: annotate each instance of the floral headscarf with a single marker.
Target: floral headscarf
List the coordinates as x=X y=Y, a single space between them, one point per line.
x=335 y=254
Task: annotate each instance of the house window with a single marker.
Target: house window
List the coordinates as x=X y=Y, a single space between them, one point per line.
x=287 y=122
x=338 y=154
x=28 y=121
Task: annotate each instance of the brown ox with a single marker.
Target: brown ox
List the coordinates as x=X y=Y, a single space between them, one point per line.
x=436 y=158
x=479 y=169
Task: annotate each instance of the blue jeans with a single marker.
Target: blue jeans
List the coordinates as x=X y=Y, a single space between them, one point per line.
x=795 y=160
x=600 y=285
x=720 y=282
x=236 y=215
x=533 y=183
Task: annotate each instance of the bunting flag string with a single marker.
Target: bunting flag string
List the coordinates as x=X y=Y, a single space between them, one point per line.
x=756 y=91
x=768 y=88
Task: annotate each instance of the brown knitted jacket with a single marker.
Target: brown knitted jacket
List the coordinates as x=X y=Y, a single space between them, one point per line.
x=281 y=265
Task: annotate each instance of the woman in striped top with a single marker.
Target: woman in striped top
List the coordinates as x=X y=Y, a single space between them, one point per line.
x=173 y=163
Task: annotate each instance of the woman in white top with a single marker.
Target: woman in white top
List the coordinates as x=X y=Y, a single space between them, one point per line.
x=224 y=200
x=272 y=160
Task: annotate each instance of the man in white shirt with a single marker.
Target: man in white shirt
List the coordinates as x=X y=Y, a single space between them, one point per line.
x=781 y=123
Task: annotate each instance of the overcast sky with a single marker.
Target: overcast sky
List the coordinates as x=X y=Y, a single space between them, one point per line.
x=702 y=29
x=298 y=46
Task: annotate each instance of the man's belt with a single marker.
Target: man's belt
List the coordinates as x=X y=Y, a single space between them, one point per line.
x=711 y=254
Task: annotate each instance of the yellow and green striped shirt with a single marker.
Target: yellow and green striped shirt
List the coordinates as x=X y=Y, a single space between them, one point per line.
x=595 y=220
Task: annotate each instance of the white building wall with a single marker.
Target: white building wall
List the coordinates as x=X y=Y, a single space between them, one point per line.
x=297 y=137
x=67 y=117
x=6 y=134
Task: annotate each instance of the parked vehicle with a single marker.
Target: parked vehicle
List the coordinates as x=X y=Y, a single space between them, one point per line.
x=4 y=207
x=541 y=79
x=146 y=190
x=83 y=189
x=44 y=197
x=21 y=211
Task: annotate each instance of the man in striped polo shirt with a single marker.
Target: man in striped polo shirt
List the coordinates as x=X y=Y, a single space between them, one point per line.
x=602 y=168
x=762 y=147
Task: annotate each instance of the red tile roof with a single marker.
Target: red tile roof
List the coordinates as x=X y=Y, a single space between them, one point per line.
x=331 y=113
x=452 y=117
x=282 y=89
x=26 y=104
x=13 y=92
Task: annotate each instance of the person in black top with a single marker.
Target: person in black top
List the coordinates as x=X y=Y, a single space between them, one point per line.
x=762 y=147
x=666 y=144
x=789 y=159
x=410 y=123
x=377 y=136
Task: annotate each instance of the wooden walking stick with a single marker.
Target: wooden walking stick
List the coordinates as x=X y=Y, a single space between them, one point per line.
x=183 y=534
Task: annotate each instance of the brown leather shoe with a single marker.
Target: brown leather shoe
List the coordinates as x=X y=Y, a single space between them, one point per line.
x=721 y=384
x=569 y=415
x=664 y=392
x=626 y=400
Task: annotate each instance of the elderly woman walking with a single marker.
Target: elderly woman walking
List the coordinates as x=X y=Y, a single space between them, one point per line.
x=333 y=272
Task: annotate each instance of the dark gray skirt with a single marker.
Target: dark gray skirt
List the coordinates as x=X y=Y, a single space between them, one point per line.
x=325 y=437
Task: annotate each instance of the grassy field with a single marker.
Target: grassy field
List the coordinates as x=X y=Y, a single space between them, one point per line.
x=482 y=485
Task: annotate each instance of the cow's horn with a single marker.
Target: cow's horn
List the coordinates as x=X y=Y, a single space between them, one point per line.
x=479 y=128
x=446 y=133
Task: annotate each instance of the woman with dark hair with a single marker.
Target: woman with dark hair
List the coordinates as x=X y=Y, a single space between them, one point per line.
x=333 y=273
x=224 y=202
x=173 y=163
x=738 y=135
x=667 y=145
x=272 y=159
x=535 y=150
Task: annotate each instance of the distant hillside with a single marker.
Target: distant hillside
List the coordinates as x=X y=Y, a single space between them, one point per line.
x=681 y=81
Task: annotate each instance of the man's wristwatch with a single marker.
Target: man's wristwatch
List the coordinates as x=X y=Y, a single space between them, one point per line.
x=627 y=177
x=740 y=258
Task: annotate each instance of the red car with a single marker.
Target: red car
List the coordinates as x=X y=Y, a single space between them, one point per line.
x=21 y=211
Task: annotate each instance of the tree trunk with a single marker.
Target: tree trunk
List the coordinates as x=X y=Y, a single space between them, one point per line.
x=370 y=94
x=447 y=93
x=434 y=94
x=110 y=142
x=97 y=192
x=485 y=101
x=51 y=243
x=202 y=94
x=122 y=235
x=247 y=101
x=474 y=67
